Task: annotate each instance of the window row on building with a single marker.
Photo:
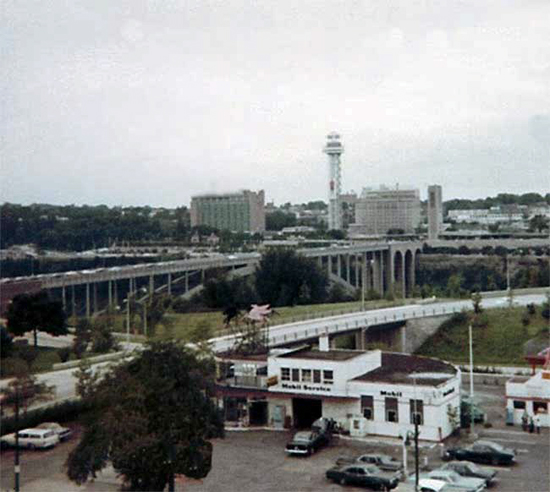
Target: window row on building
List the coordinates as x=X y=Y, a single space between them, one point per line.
x=391 y=409
x=307 y=375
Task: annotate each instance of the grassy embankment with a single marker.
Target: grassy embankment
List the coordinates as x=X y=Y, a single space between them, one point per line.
x=184 y=324
x=500 y=342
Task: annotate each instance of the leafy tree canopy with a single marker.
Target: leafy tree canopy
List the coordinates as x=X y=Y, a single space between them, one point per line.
x=285 y=278
x=152 y=418
x=36 y=312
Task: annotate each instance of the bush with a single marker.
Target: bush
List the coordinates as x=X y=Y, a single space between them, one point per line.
x=12 y=366
x=62 y=412
x=531 y=308
x=64 y=353
x=45 y=361
x=525 y=319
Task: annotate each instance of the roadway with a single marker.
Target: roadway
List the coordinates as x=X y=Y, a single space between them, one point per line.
x=64 y=381
x=304 y=330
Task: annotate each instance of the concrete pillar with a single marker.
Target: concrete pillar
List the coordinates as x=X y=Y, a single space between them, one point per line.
x=382 y=273
x=403 y=278
x=186 y=282
x=151 y=286
x=360 y=342
x=73 y=301
x=376 y=274
x=64 y=298
x=390 y=266
x=348 y=272
x=339 y=265
x=368 y=276
x=87 y=300
x=329 y=265
x=110 y=289
x=404 y=338
x=169 y=288
x=115 y=292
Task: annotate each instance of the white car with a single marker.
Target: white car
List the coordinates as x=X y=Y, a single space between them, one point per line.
x=32 y=439
x=62 y=432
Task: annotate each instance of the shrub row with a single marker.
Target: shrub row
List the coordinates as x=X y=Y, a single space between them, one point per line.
x=62 y=412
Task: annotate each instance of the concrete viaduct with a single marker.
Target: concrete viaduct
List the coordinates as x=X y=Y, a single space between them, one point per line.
x=381 y=267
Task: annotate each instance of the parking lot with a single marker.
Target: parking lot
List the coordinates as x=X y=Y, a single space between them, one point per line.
x=256 y=461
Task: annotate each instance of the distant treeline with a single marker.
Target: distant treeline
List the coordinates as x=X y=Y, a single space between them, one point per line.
x=500 y=199
x=78 y=228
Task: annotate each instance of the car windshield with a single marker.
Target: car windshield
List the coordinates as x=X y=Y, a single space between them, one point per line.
x=386 y=459
x=371 y=470
x=302 y=436
x=473 y=468
x=492 y=445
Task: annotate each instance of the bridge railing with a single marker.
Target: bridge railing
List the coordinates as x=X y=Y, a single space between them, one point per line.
x=356 y=324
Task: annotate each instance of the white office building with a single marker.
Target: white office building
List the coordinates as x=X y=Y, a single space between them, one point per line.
x=367 y=393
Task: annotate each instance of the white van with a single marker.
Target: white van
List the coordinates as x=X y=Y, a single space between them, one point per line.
x=32 y=439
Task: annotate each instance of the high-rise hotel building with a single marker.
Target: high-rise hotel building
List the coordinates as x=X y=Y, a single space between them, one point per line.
x=238 y=212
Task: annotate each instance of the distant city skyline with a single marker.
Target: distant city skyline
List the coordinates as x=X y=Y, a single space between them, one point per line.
x=150 y=103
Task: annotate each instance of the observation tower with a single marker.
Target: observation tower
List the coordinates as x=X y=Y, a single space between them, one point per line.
x=334 y=149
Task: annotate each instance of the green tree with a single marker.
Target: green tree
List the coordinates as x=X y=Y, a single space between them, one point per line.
x=282 y=274
x=36 y=312
x=24 y=390
x=6 y=343
x=163 y=397
x=454 y=285
x=476 y=302
x=539 y=223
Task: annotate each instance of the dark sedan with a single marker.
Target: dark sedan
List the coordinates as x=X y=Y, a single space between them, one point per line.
x=467 y=469
x=306 y=442
x=482 y=452
x=364 y=476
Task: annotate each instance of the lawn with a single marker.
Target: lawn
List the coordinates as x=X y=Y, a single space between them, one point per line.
x=180 y=325
x=501 y=341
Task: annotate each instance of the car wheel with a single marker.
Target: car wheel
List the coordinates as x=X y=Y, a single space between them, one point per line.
x=32 y=447
x=494 y=461
x=343 y=481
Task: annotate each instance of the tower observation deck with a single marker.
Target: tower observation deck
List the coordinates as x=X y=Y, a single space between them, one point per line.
x=334 y=149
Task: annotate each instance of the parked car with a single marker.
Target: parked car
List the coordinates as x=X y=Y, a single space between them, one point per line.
x=307 y=442
x=63 y=433
x=456 y=481
x=450 y=485
x=363 y=475
x=482 y=452
x=467 y=469
x=382 y=461
x=424 y=485
x=467 y=408
x=31 y=439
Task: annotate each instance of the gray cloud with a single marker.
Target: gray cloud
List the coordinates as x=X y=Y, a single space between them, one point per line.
x=151 y=102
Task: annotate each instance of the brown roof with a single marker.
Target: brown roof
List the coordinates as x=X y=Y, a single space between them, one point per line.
x=335 y=355
x=398 y=368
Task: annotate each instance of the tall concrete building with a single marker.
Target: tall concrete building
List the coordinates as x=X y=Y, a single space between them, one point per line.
x=238 y=212
x=334 y=150
x=435 y=211
x=380 y=211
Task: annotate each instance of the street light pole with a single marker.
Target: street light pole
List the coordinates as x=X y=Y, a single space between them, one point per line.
x=363 y=282
x=471 y=381
x=17 y=467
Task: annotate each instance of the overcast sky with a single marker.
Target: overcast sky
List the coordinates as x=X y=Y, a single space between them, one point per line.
x=149 y=103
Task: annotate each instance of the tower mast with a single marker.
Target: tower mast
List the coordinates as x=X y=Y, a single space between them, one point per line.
x=334 y=150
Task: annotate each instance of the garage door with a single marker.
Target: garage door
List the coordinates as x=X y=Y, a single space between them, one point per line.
x=306 y=411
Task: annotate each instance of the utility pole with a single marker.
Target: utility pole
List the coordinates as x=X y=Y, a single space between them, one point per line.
x=363 y=282
x=471 y=381
x=416 y=460
x=17 y=467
